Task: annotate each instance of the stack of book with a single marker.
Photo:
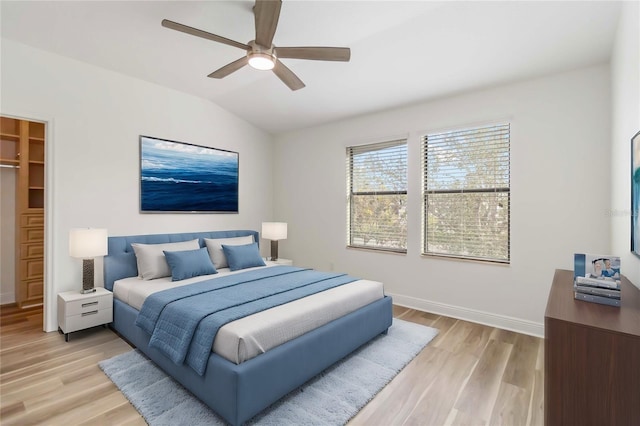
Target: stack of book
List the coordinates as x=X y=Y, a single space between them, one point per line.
x=597 y=279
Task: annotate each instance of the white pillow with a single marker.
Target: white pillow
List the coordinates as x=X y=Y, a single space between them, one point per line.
x=151 y=261
x=214 y=246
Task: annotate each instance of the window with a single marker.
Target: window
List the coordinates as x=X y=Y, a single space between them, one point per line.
x=466 y=193
x=377 y=196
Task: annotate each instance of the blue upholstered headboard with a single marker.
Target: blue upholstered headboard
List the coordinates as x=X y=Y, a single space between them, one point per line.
x=121 y=260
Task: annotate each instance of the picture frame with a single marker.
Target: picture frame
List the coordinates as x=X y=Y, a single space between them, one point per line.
x=178 y=177
x=635 y=194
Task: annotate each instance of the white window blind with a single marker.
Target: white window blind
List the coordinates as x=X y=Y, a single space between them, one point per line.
x=466 y=193
x=377 y=196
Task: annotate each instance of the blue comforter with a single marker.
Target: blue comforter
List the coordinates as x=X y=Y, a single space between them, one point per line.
x=183 y=321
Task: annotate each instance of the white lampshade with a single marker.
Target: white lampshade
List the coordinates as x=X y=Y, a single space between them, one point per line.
x=86 y=243
x=274 y=231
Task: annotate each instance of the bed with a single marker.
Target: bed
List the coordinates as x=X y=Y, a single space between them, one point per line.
x=239 y=388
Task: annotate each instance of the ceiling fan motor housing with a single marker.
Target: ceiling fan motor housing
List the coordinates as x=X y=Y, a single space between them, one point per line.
x=260 y=57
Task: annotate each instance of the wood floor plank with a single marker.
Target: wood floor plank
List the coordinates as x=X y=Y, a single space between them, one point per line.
x=58 y=366
x=41 y=389
x=18 y=329
x=467 y=337
x=11 y=408
x=61 y=404
x=505 y=336
x=454 y=380
x=440 y=395
x=477 y=340
x=70 y=354
x=455 y=337
x=459 y=418
x=399 y=311
x=522 y=362
x=47 y=350
x=540 y=359
x=26 y=337
x=400 y=397
x=113 y=398
x=117 y=414
x=511 y=407
x=444 y=325
x=536 y=405
x=480 y=392
x=424 y=318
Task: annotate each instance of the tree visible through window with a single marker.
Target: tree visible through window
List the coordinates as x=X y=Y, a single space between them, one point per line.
x=377 y=196
x=466 y=193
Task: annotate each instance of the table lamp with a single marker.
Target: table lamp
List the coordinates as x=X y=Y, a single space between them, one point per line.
x=85 y=244
x=274 y=231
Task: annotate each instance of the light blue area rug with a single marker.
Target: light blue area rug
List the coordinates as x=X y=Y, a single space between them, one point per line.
x=331 y=398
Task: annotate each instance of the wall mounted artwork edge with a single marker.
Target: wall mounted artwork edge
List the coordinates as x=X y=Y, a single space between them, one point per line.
x=635 y=194
x=179 y=177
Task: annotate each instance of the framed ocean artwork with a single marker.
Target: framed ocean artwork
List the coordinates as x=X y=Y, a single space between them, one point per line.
x=177 y=177
x=635 y=194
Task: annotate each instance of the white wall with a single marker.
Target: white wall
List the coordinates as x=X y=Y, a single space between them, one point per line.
x=625 y=111
x=560 y=174
x=7 y=235
x=95 y=118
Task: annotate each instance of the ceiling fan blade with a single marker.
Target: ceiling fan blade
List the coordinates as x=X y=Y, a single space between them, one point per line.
x=287 y=76
x=266 y=14
x=315 y=53
x=199 y=33
x=229 y=68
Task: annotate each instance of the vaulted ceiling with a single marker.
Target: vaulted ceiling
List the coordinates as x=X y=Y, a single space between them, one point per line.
x=401 y=52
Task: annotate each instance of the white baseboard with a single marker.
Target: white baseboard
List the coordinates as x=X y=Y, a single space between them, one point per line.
x=500 y=321
x=7 y=297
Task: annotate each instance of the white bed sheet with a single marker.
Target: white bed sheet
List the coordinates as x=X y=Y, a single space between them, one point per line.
x=248 y=337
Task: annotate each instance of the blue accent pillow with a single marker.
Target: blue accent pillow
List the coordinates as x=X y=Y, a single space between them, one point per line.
x=244 y=256
x=189 y=263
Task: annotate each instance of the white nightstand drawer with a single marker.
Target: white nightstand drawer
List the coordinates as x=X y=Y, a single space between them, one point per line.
x=86 y=320
x=77 y=311
x=88 y=304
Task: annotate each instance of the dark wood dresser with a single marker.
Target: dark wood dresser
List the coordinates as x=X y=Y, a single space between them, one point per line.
x=591 y=357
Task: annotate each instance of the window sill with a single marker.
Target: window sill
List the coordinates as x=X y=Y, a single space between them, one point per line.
x=466 y=259
x=378 y=250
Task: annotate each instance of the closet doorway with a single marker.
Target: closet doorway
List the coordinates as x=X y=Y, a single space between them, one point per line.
x=22 y=213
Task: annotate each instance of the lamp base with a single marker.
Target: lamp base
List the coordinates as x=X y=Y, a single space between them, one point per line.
x=87 y=276
x=89 y=290
x=274 y=250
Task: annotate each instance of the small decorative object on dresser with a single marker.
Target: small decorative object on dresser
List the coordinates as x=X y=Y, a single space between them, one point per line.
x=597 y=278
x=78 y=311
x=87 y=243
x=274 y=231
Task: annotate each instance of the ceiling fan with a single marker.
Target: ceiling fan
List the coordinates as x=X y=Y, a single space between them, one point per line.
x=261 y=53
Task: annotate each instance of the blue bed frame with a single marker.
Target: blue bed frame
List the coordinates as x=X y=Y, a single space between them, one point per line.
x=237 y=392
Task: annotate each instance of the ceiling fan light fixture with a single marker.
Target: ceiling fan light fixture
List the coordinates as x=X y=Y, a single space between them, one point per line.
x=261 y=61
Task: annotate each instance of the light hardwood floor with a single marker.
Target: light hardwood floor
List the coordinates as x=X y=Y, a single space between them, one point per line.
x=469 y=374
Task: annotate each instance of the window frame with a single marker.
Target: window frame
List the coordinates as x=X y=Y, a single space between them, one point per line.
x=497 y=189
x=350 y=193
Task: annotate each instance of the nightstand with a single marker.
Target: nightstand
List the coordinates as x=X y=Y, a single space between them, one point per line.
x=77 y=311
x=281 y=261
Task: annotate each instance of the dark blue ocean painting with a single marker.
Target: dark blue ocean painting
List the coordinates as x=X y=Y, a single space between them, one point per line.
x=178 y=177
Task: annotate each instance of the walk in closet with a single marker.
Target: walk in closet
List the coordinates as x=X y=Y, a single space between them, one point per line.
x=22 y=182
